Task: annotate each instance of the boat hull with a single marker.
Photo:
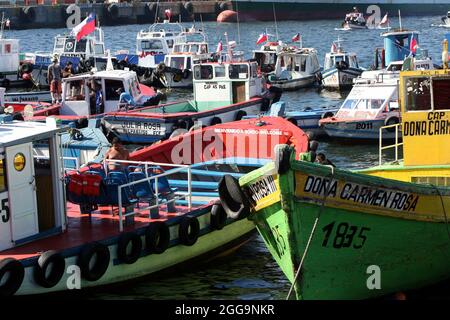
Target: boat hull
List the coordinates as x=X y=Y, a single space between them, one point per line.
x=28 y=96
x=295 y=84
x=340 y=79
x=358 y=130
x=360 y=248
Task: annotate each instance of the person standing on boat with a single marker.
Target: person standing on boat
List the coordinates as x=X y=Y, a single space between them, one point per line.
x=322 y=159
x=116 y=152
x=54 y=79
x=68 y=70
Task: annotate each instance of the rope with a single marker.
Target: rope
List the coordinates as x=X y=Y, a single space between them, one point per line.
x=443 y=209
x=311 y=234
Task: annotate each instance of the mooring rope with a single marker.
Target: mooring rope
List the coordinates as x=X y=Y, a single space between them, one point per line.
x=443 y=209
x=311 y=234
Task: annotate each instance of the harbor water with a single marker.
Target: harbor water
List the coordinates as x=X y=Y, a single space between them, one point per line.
x=250 y=272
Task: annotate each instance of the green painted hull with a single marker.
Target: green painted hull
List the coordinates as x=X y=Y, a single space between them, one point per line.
x=351 y=247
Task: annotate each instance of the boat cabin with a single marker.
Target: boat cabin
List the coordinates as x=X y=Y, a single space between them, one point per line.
x=153 y=44
x=221 y=84
x=397 y=44
x=369 y=101
x=340 y=58
x=9 y=57
x=32 y=204
x=425 y=117
x=302 y=60
x=77 y=95
x=267 y=55
x=89 y=46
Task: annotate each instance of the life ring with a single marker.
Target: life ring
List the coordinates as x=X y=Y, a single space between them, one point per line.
x=26 y=68
x=215 y=120
x=14 y=272
x=239 y=115
x=327 y=114
x=233 y=200
x=189 y=7
x=390 y=121
x=282 y=158
x=218 y=218
x=293 y=121
x=122 y=245
x=157 y=237
x=5 y=83
x=113 y=10
x=49 y=269
x=189 y=230
x=98 y=269
x=29 y=14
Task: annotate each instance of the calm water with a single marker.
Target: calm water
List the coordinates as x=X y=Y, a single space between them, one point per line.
x=250 y=273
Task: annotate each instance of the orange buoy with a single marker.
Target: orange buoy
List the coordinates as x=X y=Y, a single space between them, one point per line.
x=227 y=16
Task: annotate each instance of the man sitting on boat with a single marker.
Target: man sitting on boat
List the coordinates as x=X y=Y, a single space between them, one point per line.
x=116 y=152
x=54 y=79
x=126 y=101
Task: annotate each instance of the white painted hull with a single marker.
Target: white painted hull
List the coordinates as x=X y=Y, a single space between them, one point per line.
x=31 y=96
x=337 y=79
x=295 y=84
x=358 y=130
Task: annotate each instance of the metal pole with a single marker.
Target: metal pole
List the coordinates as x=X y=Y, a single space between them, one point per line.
x=189 y=188
x=120 y=208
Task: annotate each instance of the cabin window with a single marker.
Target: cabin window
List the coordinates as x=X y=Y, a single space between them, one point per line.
x=81 y=46
x=151 y=45
x=194 y=48
x=2 y=176
x=134 y=87
x=98 y=49
x=203 y=72
x=75 y=91
x=254 y=70
x=170 y=43
x=220 y=71
x=177 y=48
x=112 y=89
x=238 y=71
x=59 y=45
x=177 y=63
x=349 y=104
x=203 y=48
x=418 y=94
x=188 y=63
x=441 y=94
x=7 y=48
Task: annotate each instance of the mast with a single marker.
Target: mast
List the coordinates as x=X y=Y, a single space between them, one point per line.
x=275 y=19
x=2 y=25
x=400 y=20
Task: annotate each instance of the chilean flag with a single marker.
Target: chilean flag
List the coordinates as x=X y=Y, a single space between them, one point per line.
x=262 y=38
x=86 y=27
x=296 y=37
x=413 y=46
x=168 y=14
x=219 y=47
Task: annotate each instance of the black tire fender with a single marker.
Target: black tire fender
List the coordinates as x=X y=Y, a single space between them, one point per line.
x=282 y=158
x=189 y=230
x=327 y=114
x=101 y=264
x=233 y=199
x=293 y=121
x=239 y=115
x=390 y=121
x=125 y=239
x=215 y=120
x=218 y=218
x=16 y=273
x=26 y=68
x=55 y=261
x=5 y=83
x=157 y=237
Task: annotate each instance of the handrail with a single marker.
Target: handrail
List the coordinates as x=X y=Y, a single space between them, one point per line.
x=177 y=168
x=396 y=145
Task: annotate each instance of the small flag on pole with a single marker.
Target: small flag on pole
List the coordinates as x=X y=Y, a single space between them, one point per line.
x=296 y=38
x=333 y=47
x=384 y=20
x=262 y=38
x=219 y=47
x=86 y=27
x=168 y=14
x=413 y=46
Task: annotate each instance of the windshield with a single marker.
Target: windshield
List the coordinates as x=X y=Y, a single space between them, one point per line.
x=151 y=45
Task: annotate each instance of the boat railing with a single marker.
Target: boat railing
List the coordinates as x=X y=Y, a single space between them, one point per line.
x=396 y=145
x=176 y=168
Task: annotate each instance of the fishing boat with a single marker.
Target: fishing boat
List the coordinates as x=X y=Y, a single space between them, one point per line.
x=340 y=68
x=373 y=101
x=336 y=233
x=446 y=19
x=223 y=92
x=154 y=44
x=121 y=225
x=354 y=20
x=295 y=68
x=190 y=47
x=266 y=56
x=13 y=73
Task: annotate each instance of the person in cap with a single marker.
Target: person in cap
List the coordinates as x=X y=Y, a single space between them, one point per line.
x=54 y=79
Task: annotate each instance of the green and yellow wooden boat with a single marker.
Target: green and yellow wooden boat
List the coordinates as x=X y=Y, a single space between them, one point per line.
x=339 y=234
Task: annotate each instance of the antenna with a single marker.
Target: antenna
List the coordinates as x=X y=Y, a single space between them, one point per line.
x=400 y=20
x=237 y=20
x=275 y=19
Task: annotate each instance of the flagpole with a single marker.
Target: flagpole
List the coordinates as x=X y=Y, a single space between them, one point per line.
x=400 y=20
x=275 y=18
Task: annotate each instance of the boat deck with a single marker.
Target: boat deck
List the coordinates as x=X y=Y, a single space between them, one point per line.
x=84 y=228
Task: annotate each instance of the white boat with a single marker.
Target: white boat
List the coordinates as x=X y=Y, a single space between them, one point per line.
x=340 y=68
x=190 y=47
x=266 y=56
x=373 y=101
x=446 y=19
x=295 y=68
x=354 y=20
x=154 y=44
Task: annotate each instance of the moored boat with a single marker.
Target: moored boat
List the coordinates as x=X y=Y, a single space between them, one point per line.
x=385 y=227
x=340 y=68
x=123 y=224
x=354 y=20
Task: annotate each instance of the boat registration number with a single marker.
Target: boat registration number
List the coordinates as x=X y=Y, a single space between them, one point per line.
x=143 y=128
x=263 y=192
x=364 y=125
